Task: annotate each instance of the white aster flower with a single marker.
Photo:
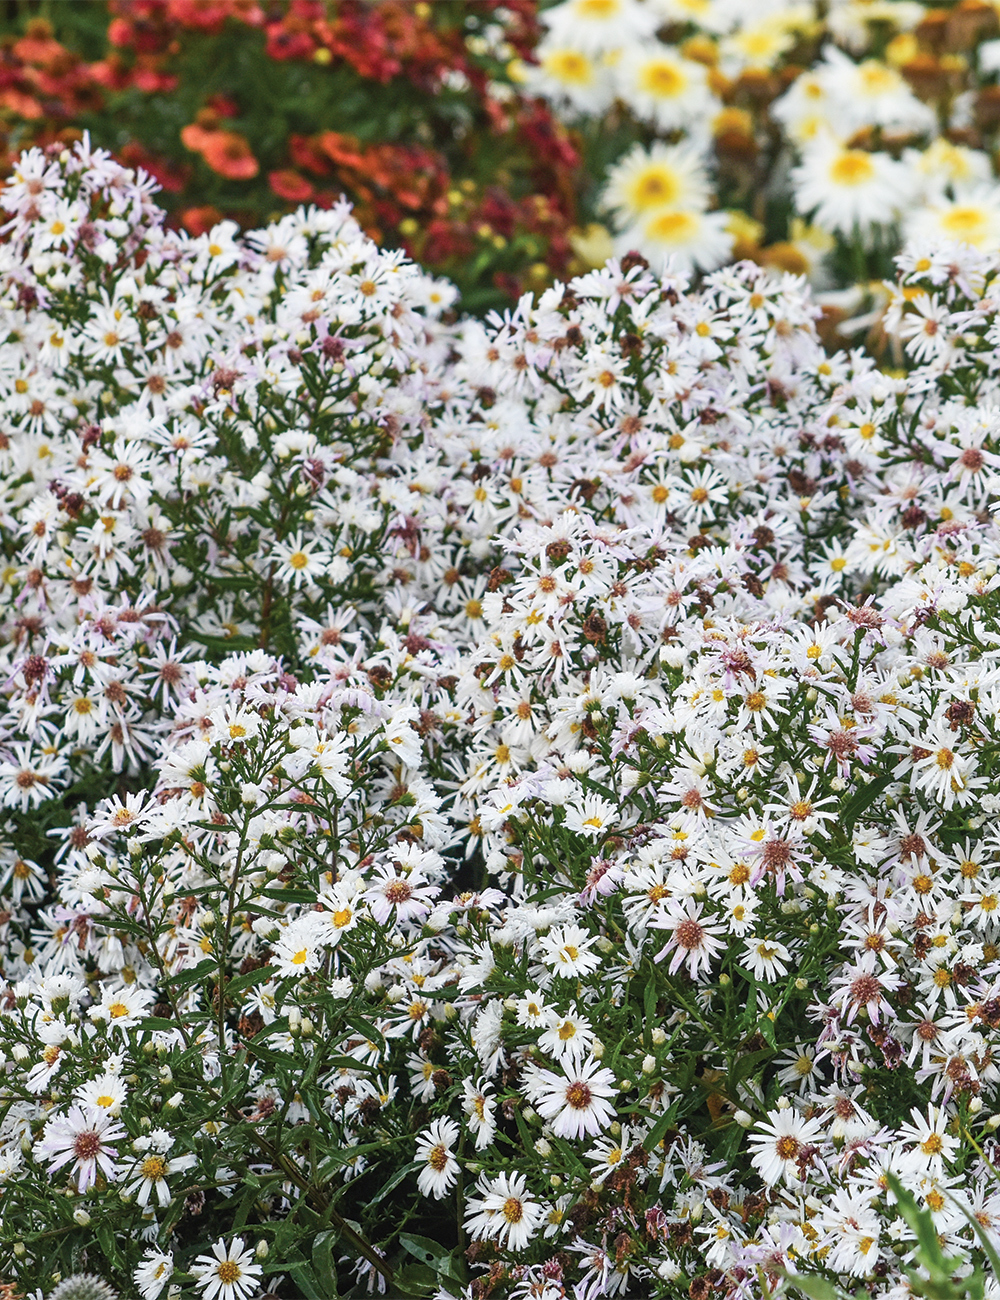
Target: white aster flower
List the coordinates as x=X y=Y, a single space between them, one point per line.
x=229 y=1273
x=434 y=1151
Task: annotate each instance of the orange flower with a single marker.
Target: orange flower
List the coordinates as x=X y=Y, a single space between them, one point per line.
x=199 y=221
x=25 y=106
x=229 y=154
x=195 y=137
x=226 y=152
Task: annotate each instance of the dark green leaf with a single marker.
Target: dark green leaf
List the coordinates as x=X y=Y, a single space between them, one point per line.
x=324 y=1266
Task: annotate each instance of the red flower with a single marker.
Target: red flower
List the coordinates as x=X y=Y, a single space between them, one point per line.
x=305 y=153
x=282 y=44
x=119 y=32
x=288 y=184
x=151 y=82
x=207 y=15
x=199 y=221
x=222 y=105
x=343 y=149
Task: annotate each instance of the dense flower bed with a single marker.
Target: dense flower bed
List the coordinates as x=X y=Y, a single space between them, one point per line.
x=489 y=809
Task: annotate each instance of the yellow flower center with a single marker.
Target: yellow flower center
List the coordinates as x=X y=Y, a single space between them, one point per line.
x=662 y=79
x=673 y=227
x=852 y=167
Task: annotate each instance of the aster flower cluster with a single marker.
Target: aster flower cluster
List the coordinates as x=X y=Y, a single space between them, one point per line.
x=810 y=137
x=531 y=831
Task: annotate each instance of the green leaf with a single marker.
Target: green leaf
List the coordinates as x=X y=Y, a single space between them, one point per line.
x=921 y=1224
x=862 y=799
x=816 y=1288
x=433 y=1254
x=743 y=1068
x=366 y=1029
x=649 y=1004
x=324 y=1265
x=422 y=1248
x=107 y=1241
x=300 y=1271
x=749 y=1017
x=392 y=1183
x=334 y=1160
x=241 y=982
x=245 y=1204
x=659 y=1130
x=415 y=1281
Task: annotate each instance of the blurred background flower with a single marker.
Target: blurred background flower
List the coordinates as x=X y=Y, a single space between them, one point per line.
x=246 y=110
x=506 y=145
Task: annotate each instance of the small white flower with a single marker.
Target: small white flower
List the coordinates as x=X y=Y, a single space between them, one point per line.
x=440 y=1168
x=228 y=1273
